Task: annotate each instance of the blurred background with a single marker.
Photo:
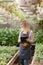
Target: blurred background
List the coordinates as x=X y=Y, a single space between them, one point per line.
x=11 y=14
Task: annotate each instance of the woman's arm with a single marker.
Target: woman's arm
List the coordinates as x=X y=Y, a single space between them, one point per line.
x=19 y=40
x=30 y=39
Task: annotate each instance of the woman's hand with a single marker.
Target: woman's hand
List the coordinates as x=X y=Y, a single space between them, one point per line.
x=28 y=39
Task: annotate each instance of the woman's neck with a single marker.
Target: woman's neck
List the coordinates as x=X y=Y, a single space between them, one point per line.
x=25 y=31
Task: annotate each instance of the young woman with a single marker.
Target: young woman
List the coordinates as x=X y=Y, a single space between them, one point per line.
x=25 y=38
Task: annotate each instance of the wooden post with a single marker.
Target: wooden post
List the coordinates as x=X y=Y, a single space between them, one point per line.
x=11 y=62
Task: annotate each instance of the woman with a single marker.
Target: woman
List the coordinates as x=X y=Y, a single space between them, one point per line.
x=25 y=38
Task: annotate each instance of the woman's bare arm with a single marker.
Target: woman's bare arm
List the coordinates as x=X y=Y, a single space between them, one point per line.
x=19 y=40
x=30 y=39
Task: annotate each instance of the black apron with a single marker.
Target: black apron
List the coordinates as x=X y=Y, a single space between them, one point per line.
x=24 y=52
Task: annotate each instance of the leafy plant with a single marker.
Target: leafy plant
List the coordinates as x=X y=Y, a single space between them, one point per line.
x=38 y=36
x=8 y=36
x=41 y=4
x=12 y=8
x=39 y=51
x=19 y=13
x=7 y=53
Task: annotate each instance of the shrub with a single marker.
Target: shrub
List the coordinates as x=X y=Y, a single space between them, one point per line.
x=6 y=53
x=39 y=51
x=8 y=36
x=38 y=36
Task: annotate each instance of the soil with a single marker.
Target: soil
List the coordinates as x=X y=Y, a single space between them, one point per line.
x=38 y=63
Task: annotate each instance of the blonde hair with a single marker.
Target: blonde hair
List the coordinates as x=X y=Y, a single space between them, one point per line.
x=25 y=23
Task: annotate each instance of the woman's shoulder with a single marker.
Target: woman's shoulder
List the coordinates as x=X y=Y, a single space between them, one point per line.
x=30 y=31
x=20 y=32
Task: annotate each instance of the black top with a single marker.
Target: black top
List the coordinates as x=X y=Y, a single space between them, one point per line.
x=24 y=51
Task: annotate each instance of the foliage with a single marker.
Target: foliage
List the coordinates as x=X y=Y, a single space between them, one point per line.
x=34 y=18
x=19 y=13
x=12 y=8
x=6 y=53
x=41 y=4
x=38 y=36
x=39 y=51
x=8 y=36
x=1 y=18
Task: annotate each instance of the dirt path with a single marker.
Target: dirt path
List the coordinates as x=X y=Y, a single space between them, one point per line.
x=18 y=61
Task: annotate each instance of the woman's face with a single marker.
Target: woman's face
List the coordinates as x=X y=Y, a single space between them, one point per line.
x=23 y=27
